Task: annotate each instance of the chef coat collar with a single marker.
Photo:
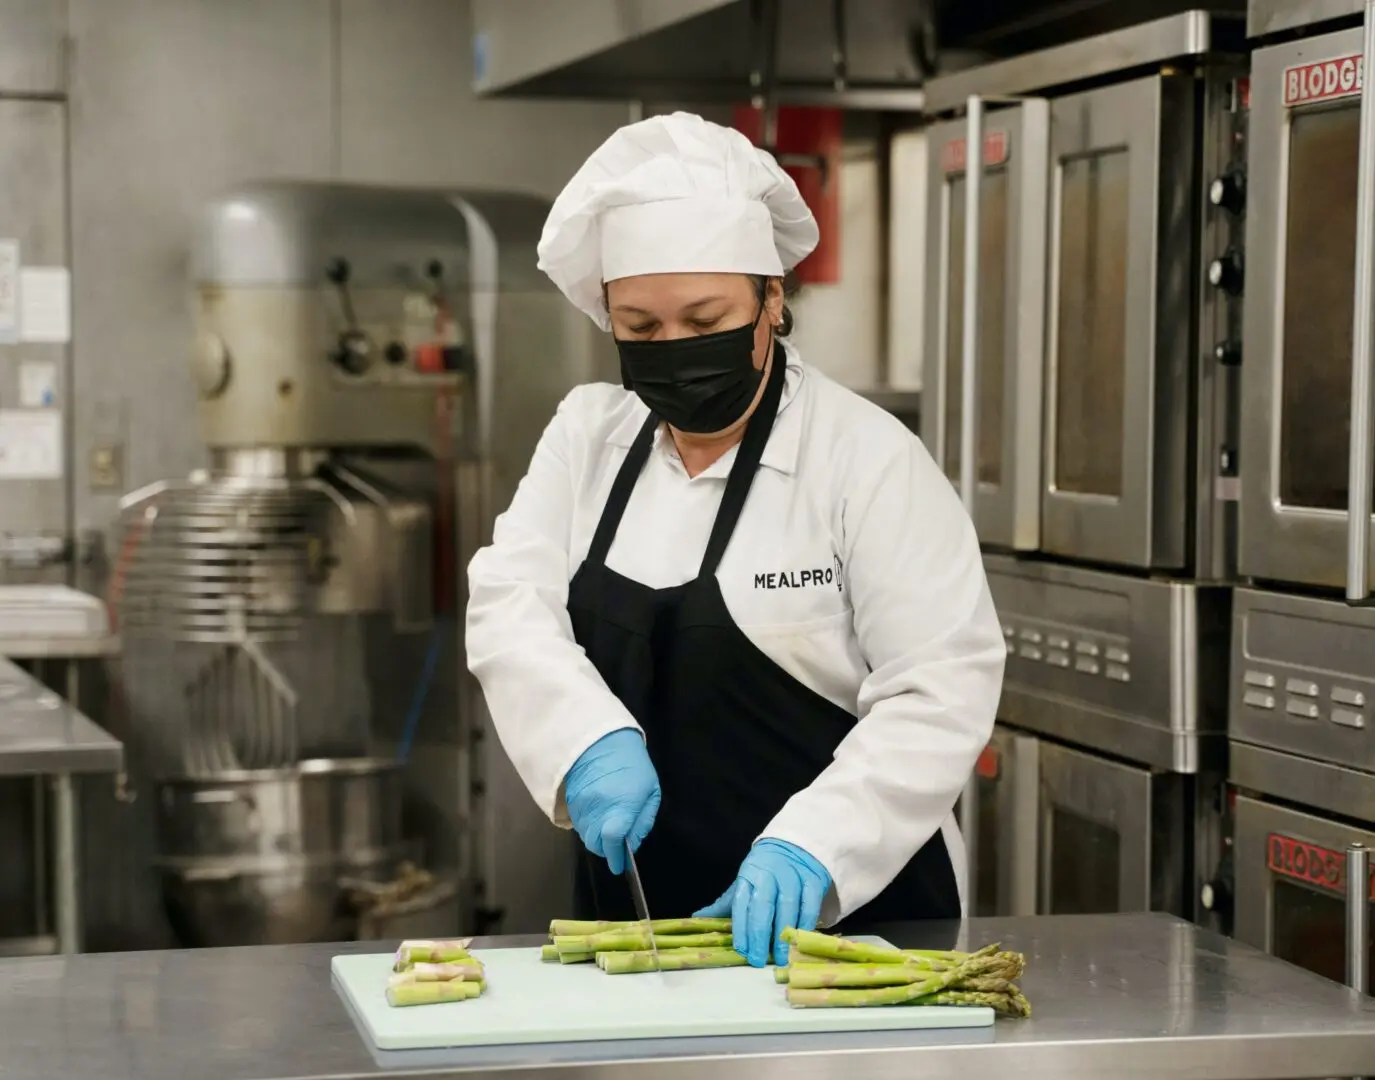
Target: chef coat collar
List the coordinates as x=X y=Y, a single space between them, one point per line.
x=785 y=441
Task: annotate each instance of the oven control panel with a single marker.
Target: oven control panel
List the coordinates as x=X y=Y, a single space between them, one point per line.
x=1082 y=650
x=1134 y=667
x=1303 y=677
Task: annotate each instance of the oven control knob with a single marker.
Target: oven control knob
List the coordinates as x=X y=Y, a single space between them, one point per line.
x=1226 y=271
x=1227 y=353
x=1216 y=896
x=1228 y=191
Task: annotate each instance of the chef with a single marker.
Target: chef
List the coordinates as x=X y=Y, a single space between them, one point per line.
x=734 y=618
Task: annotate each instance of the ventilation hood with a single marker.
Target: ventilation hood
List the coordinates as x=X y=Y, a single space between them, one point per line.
x=700 y=50
x=859 y=54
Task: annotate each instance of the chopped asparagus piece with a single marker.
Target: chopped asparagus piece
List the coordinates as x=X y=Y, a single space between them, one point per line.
x=431 y=993
x=431 y=952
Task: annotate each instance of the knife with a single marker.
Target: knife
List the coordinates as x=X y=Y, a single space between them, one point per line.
x=637 y=894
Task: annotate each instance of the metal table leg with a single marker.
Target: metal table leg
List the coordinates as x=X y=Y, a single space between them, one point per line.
x=66 y=872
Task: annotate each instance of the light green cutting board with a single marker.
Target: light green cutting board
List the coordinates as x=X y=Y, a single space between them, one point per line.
x=528 y=1001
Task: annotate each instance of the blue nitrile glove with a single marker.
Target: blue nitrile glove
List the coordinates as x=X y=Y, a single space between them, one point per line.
x=779 y=887
x=612 y=793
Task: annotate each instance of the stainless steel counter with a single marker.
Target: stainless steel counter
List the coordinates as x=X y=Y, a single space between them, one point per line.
x=42 y=734
x=1119 y=996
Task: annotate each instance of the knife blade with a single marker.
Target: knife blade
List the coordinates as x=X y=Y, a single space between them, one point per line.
x=637 y=894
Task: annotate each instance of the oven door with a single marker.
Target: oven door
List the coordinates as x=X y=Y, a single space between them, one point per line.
x=1011 y=303
x=1123 y=273
x=1299 y=310
x=1291 y=884
x=1007 y=774
x=1113 y=836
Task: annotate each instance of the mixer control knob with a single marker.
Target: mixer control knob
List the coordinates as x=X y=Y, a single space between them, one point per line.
x=354 y=352
x=1226 y=271
x=1227 y=353
x=1228 y=191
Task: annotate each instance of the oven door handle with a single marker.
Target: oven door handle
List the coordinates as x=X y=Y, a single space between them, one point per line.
x=1363 y=342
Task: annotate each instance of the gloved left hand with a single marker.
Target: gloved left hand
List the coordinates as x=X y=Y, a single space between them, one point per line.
x=779 y=887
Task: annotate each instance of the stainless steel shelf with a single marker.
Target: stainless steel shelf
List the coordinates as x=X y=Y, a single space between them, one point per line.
x=41 y=734
x=59 y=648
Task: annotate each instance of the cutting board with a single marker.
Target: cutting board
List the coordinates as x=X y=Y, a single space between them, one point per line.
x=528 y=1001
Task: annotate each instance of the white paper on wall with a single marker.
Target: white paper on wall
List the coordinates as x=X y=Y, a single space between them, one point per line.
x=30 y=444
x=45 y=304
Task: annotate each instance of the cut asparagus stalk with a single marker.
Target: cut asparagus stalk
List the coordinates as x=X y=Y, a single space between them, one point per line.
x=431 y=952
x=431 y=993
x=571 y=957
x=634 y=963
x=572 y=928
x=549 y=954
x=781 y=975
x=636 y=940
x=418 y=973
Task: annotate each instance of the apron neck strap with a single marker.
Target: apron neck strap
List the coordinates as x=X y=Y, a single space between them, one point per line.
x=746 y=462
x=621 y=489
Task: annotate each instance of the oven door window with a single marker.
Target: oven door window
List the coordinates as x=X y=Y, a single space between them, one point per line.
x=1319 y=261
x=1309 y=929
x=1091 y=315
x=1085 y=861
x=992 y=325
x=986 y=871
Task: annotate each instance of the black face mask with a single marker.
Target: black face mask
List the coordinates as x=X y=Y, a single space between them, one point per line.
x=695 y=384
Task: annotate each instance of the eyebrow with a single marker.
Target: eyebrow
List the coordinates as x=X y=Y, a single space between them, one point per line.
x=630 y=309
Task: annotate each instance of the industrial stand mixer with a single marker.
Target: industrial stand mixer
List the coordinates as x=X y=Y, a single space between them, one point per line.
x=348 y=368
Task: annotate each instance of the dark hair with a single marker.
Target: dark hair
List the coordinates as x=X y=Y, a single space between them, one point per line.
x=790 y=287
x=761 y=292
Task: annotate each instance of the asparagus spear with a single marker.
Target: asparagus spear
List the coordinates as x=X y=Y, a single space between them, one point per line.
x=834 y=948
x=549 y=954
x=1008 y=1004
x=431 y=993
x=574 y=957
x=571 y=928
x=632 y=963
x=820 y=976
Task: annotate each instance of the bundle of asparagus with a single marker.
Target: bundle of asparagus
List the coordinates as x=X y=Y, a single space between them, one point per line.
x=433 y=972
x=624 y=948
x=830 y=972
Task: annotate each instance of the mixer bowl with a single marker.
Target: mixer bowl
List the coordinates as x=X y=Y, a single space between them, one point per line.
x=256 y=856
x=228 y=902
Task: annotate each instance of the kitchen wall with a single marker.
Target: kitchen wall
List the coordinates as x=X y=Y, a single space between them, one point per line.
x=164 y=103
x=168 y=101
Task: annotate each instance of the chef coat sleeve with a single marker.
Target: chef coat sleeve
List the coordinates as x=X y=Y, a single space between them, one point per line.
x=925 y=624
x=547 y=702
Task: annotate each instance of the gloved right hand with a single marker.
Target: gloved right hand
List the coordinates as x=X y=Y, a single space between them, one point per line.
x=612 y=793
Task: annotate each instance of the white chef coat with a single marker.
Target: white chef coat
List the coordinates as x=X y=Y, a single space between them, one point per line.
x=854 y=567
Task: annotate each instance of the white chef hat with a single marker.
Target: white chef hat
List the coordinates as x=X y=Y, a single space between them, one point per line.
x=673 y=194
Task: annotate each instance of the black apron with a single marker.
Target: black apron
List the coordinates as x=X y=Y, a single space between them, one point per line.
x=732 y=735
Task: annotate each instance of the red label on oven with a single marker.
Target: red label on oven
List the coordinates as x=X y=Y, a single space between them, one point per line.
x=955 y=152
x=1309 y=863
x=1324 y=81
x=987 y=765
